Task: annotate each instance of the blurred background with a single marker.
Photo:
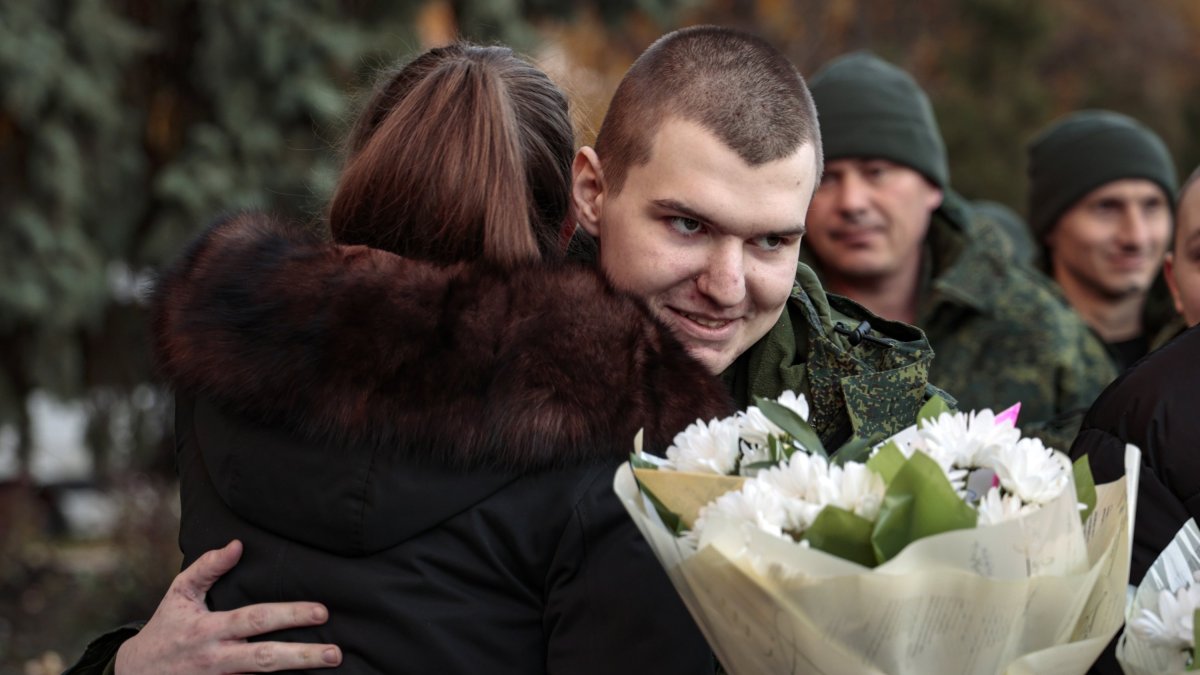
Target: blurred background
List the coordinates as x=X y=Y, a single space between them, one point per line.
x=127 y=125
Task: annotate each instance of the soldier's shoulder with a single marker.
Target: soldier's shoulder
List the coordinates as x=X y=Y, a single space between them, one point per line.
x=1027 y=296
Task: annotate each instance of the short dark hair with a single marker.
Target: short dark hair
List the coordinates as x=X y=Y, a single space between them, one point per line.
x=732 y=83
x=1191 y=183
x=464 y=153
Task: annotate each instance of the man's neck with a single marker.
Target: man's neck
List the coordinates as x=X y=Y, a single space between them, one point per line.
x=1113 y=319
x=893 y=297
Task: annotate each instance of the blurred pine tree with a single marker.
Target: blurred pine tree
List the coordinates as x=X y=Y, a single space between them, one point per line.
x=126 y=125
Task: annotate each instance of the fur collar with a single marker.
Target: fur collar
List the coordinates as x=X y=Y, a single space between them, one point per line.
x=467 y=365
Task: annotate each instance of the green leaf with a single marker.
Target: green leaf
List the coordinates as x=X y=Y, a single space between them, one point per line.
x=887 y=461
x=934 y=407
x=765 y=464
x=854 y=450
x=673 y=522
x=844 y=534
x=793 y=425
x=919 y=502
x=639 y=463
x=1085 y=486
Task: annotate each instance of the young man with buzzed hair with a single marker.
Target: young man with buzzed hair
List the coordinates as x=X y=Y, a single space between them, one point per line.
x=1101 y=190
x=886 y=229
x=696 y=195
x=697 y=191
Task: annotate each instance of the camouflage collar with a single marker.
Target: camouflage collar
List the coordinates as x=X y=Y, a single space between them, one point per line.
x=862 y=387
x=964 y=268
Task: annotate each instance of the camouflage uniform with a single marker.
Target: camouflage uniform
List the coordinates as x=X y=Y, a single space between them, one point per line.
x=869 y=386
x=1001 y=334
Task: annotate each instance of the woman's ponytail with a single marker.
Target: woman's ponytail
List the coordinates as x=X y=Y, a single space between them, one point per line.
x=464 y=154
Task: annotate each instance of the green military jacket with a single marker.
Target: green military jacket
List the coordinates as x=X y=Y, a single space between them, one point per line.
x=1002 y=335
x=867 y=385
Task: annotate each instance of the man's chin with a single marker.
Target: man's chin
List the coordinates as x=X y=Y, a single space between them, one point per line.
x=1127 y=288
x=714 y=361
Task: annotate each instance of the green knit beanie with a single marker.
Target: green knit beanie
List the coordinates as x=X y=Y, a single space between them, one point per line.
x=1085 y=150
x=869 y=108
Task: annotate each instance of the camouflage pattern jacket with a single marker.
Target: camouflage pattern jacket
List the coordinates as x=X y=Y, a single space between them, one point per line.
x=865 y=383
x=1001 y=334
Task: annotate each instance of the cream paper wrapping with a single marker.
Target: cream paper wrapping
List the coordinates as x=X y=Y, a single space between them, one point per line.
x=1172 y=570
x=1040 y=594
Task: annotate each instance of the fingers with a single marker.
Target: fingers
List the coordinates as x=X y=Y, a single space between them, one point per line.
x=195 y=581
x=248 y=622
x=268 y=657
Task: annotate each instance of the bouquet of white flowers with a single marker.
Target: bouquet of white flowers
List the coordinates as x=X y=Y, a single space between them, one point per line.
x=1161 y=634
x=956 y=546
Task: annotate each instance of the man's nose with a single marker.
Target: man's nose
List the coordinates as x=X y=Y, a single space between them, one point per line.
x=852 y=195
x=724 y=277
x=1135 y=229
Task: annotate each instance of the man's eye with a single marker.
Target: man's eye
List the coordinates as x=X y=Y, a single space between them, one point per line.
x=770 y=242
x=685 y=225
x=874 y=172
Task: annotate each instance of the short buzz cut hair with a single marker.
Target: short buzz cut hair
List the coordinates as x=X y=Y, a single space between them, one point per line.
x=731 y=83
x=1192 y=183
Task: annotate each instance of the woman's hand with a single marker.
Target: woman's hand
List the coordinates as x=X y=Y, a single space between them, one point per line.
x=184 y=636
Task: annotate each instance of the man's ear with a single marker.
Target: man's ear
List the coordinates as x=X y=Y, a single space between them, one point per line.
x=587 y=190
x=1168 y=272
x=936 y=197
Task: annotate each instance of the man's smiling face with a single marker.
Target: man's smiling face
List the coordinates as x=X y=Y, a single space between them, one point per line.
x=709 y=242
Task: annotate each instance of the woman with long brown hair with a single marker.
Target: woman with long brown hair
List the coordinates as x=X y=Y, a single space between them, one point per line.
x=417 y=423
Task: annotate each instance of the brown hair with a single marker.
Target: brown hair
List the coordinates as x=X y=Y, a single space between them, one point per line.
x=464 y=153
x=732 y=83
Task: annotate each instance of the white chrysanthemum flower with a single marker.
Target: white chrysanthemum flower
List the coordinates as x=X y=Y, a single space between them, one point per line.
x=803 y=483
x=860 y=489
x=756 y=428
x=1173 y=624
x=1030 y=470
x=996 y=508
x=755 y=503
x=1150 y=627
x=706 y=448
x=965 y=439
x=800 y=477
x=808 y=483
x=796 y=402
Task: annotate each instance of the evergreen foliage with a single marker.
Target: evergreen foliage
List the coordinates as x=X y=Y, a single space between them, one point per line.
x=126 y=125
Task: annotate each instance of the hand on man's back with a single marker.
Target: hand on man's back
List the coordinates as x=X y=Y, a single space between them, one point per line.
x=184 y=636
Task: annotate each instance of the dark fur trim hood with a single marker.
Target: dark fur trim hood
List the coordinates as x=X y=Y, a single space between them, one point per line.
x=462 y=366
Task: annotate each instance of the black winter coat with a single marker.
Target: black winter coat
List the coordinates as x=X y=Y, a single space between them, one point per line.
x=1154 y=405
x=427 y=450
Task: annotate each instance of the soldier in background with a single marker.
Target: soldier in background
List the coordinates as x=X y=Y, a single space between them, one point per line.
x=1101 y=192
x=886 y=230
